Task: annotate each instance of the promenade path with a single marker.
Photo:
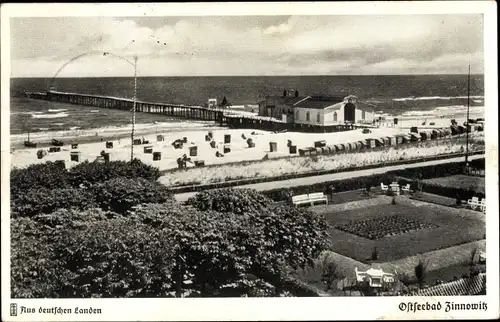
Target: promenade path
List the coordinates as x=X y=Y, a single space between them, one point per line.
x=264 y=186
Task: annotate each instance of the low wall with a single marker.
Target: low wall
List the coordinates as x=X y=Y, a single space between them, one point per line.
x=227 y=184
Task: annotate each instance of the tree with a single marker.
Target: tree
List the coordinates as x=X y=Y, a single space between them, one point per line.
x=282 y=237
x=224 y=102
x=421 y=272
x=248 y=247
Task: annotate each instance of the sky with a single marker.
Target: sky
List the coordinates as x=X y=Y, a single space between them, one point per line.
x=247 y=45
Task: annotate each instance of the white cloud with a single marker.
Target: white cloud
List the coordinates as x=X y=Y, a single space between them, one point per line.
x=279 y=29
x=211 y=46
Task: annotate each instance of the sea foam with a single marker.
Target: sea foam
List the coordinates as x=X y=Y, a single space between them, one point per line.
x=49 y=116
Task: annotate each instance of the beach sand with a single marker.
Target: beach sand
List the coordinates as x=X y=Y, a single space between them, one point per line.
x=91 y=144
x=239 y=147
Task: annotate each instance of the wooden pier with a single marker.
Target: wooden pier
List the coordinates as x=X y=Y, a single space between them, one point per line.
x=220 y=116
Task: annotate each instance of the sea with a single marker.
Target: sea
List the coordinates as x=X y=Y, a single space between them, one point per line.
x=419 y=95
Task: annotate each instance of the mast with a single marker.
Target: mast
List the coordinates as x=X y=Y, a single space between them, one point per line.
x=467 y=124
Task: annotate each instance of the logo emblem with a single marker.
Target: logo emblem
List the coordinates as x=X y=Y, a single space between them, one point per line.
x=13 y=309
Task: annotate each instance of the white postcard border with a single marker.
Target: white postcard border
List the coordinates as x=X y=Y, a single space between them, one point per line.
x=345 y=308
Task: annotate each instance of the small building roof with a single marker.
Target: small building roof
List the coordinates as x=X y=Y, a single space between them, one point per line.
x=284 y=100
x=465 y=286
x=319 y=102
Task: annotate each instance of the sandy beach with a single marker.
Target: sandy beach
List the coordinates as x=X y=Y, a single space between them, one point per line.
x=92 y=141
x=196 y=137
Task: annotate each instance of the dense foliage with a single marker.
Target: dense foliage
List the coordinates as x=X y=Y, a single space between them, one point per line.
x=43 y=200
x=88 y=173
x=50 y=175
x=121 y=194
x=238 y=201
x=164 y=249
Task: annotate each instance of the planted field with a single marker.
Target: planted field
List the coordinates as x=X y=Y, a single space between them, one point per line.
x=410 y=230
x=459 y=181
x=385 y=226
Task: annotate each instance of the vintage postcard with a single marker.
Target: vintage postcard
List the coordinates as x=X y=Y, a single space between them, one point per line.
x=249 y=161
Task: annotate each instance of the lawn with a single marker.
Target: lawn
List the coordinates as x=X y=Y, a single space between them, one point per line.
x=418 y=228
x=459 y=181
x=437 y=199
x=348 y=196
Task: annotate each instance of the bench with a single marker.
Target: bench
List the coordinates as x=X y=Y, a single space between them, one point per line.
x=482 y=205
x=473 y=203
x=384 y=187
x=309 y=198
x=406 y=188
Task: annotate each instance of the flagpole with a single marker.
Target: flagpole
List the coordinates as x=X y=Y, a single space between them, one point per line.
x=467 y=122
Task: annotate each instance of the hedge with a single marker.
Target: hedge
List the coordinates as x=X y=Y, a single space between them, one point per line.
x=89 y=173
x=234 y=183
x=122 y=194
x=403 y=176
x=50 y=175
x=43 y=200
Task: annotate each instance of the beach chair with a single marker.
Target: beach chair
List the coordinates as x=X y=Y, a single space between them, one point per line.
x=406 y=188
x=473 y=203
x=384 y=187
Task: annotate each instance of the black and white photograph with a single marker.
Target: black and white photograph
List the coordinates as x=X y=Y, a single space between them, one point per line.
x=287 y=153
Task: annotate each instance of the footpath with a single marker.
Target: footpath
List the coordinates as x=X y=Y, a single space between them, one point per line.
x=265 y=186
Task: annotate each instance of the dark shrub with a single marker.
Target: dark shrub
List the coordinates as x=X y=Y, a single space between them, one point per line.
x=89 y=173
x=121 y=194
x=49 y=175
x=42 y=200
x=238 y=201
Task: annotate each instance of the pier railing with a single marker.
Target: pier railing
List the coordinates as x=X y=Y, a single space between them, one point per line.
x=222 y=116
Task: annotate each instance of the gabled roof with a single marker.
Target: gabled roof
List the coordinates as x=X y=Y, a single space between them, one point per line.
x=465 y=286
x=319 y=102
x=284 y=100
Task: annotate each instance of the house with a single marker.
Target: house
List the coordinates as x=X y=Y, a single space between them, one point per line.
x=280 y=107
x=212 y=103
x=290 y=107
x=321 y=110
x=375 y=278
x=474 y=285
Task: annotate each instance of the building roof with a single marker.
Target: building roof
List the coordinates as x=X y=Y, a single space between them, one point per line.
x=319 y=102
x=465 y=286
x=284 y=100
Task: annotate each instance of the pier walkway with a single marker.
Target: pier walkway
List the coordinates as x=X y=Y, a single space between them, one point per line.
x=222 y=116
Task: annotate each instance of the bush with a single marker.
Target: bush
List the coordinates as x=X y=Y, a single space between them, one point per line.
x=122 y=194
x=50 y=175
x=238 y=201
x=43 y=201
x=89 y=173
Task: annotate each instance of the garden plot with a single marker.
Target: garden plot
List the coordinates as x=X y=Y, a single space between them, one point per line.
x=385 y=226
x=438 y=228
x=459 y=181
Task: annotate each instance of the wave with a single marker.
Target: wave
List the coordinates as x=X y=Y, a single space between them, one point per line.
x=25 y=113
x=429 y=98
x=58 y=124
x=49 y=116
x=94 y=111
x=57 y=110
